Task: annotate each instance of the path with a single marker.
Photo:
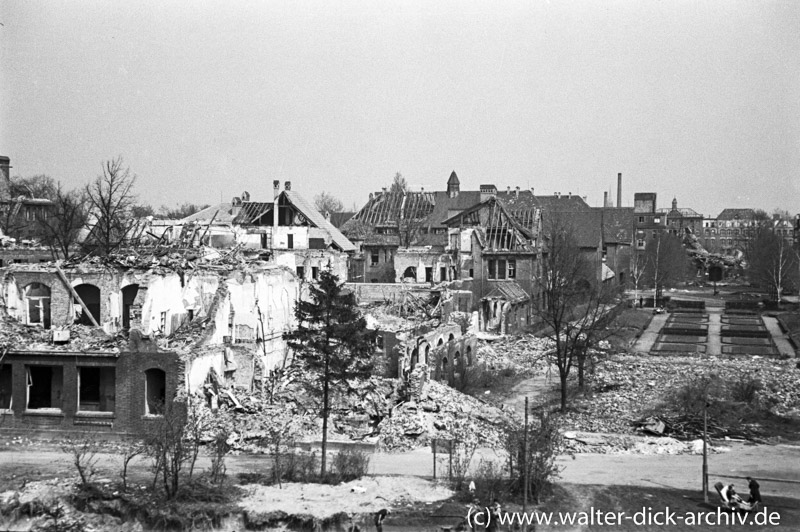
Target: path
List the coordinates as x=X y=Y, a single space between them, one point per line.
x=714 y=338
x=780 y=339
x=648 y=338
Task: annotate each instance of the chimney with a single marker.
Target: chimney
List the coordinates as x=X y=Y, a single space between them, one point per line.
x=276 y=189
x=532 y=193
x=619 y=189
x=569 y=194
x=371 y=196
x=517 y=193
x=508 y=190
x=605 y=199
x=383 y=190
x=287 y=185
x=245 y=196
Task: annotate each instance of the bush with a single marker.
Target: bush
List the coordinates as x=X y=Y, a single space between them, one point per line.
x=348 y=464
x=299 y=466
x=490 y=480
x=745 y=388
x=83 y=452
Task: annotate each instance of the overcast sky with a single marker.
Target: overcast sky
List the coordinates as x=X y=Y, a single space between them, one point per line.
x=204 y=100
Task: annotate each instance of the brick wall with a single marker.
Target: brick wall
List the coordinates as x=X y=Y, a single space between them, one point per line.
x=127 y=416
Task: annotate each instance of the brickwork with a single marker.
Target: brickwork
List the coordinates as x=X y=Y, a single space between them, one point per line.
x=128 y=415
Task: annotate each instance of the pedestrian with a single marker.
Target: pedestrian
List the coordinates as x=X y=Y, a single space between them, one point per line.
x=472 y=515
x=380 y=515
x=493 y=517
x=755 y=490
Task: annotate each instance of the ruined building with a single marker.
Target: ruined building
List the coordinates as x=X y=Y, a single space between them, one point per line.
x=103 y=346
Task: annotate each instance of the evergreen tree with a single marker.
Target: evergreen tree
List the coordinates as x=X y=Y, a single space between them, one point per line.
x=331 y=342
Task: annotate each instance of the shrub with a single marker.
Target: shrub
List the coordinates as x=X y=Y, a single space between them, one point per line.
x=490 y=480
x=299 y=466
x=349 y=464
x=744 y=388
x=83 y=452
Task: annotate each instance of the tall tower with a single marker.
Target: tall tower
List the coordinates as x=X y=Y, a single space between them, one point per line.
x=453 y=185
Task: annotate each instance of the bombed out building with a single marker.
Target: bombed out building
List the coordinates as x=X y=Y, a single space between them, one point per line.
x=100 y=347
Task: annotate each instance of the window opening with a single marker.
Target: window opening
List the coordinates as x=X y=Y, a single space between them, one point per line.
x=45 y=387
x=96 y=389
x=155 y=383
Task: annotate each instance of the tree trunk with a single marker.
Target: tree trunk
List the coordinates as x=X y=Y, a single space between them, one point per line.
x=325 y=386
x=581 y=363
x=563 y=391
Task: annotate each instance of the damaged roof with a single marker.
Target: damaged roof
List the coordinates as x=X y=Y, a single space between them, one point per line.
x=314 y=216
x=508 y=291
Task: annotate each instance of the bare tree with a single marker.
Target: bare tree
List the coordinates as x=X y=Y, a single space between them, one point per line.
x=771 y=262
x=399 y=184
x=575 y=301
x=638 y=268
x=62 y=226
x=667 y=262
x=327 y=203
x=39 y=186
x=110 y=198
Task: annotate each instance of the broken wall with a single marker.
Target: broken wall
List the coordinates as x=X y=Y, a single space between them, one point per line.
x=429 y=266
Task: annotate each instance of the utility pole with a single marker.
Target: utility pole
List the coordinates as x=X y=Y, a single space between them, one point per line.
x=525 y=469
x=705 y=449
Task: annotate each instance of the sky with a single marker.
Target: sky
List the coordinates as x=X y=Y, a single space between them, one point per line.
x=697 y=100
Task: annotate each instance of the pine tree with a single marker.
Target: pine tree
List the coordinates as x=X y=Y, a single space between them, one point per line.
x=331 y=342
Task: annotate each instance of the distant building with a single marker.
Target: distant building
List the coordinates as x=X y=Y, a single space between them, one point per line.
x=649 y=222
x=678 y=220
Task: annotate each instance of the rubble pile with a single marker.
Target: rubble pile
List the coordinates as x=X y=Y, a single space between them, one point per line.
x=436 y=413
x=526 y=355
x=578 y=442
x=626 y=391
x=84 y=338
x=162 y=259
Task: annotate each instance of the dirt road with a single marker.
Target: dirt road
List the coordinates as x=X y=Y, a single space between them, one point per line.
x=674 y=471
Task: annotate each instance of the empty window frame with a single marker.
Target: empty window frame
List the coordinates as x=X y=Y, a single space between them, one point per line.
x=512 y=269
x=155 y=387
x=45 y=387
x=374 y=258
x=314 y=272
x=37 y=305
x=96 y=389
x=6 y=387
x=492 y=269
x=90 y=295
x=301 y=272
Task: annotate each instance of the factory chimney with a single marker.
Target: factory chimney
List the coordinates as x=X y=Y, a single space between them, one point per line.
x=619 y=189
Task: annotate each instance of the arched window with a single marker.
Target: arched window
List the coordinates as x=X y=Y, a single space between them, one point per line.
x=457 y=360
x=469 y=355
x=37 y=304
x=444 y=367
x=129 y=294
x=410 y=273
x=90 y=295
x=440 y=342
x=155 y=385
x=427 y=353
x=451 y=337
